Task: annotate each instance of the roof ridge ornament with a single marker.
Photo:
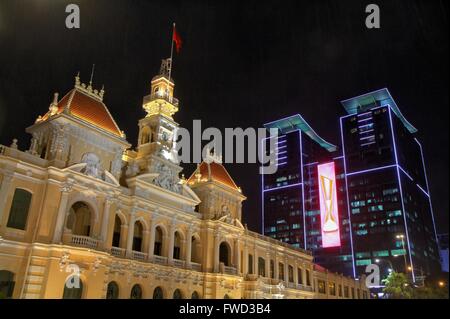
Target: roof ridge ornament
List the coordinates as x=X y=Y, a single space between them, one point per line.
x=88 y=89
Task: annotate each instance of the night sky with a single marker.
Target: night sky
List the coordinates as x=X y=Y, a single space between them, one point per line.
x=242 y=64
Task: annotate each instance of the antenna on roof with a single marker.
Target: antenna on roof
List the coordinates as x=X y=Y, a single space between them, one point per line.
x=92 y=74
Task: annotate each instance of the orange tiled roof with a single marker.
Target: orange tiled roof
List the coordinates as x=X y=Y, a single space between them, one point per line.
x=218 y=174
x=89 y=109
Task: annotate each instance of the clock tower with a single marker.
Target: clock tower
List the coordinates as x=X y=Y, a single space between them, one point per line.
x=156 y=151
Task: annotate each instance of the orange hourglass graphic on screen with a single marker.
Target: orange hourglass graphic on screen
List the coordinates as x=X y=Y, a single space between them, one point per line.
x=329 y=225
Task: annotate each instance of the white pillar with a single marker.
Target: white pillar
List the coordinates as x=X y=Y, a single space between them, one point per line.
x=105 y=219
x=267 y=270
x=188 y=253
x=237 y=256
x=286 y=270
x=245 y=261
x=130 y=233
x=4 y=191
x=255 y=261
x=216 y=252
x=295 y=273
x=171 y=242
x=62 y=212
x=151 y=245
x=276 y=270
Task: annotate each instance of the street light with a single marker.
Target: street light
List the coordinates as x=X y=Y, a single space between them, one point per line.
x=391 y=269
x=402 y=237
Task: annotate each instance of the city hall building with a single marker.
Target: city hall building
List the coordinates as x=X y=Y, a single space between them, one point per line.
x=83 y=215
x=364 y=201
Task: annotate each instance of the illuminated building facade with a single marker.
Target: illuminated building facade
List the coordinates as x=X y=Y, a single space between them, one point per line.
x=82 y=215
x=382 y=191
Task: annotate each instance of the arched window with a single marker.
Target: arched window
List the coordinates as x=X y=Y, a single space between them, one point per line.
x=6 y=284
x=18 y=214
x=272 y=269
x=112 y=291
x=250 y=264
x=137 y=237
x=158 y=241
x=177 y=294
x=116 y=233
x=177 y=246
x=290 y=273
x=280 y=271
x=136 y=292
x=224 y=254
x=158 y=293
x=195 y=295
x=79 y=219
x=300 y=276
x=196 y=250
x=261 y=267
x=73 y=288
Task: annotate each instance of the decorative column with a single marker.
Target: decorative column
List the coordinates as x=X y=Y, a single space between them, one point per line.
x=255 y=261
x=151 y=245
x=295 y=273
x=188 y=253
x=171 y=241
x=131 y=232
x=237 y=255
x=145 y=240
x=245 y=260
x=4 y=190
x=276 y=268
x=62 y=212
x=267 y=271
x=286 y=270
x=105 y=219
x=216 y=251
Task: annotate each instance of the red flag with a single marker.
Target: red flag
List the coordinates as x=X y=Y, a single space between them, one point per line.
x=177 y=39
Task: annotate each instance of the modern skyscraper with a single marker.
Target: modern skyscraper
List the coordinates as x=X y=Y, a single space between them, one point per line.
x=379 y=171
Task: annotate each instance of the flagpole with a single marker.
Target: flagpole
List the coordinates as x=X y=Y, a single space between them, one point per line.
x=171 y=52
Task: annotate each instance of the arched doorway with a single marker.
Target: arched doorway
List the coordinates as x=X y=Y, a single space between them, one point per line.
x=177 y=246
x=137 y=237
x=177 y=294
x=73 y=288
x=158 y=293
x=112 y=291
x=195 y=295
x=136 y=292
x=158 y=241
x=6 y=284
x=79 y=219
x=117 y=232
x=261 y=267
x=224 y=254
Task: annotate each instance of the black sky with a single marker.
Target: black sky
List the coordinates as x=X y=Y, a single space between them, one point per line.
x=243 y=64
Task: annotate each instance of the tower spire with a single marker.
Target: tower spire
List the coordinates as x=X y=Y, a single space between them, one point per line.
x=92 y=74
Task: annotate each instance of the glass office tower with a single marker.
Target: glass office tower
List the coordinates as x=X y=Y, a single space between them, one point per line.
x=383 y=212
x=291 y=197
x=390 y=207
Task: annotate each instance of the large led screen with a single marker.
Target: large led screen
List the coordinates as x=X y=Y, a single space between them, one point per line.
x=329 y=216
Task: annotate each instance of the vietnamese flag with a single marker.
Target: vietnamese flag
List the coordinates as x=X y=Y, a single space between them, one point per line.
x=177 y=39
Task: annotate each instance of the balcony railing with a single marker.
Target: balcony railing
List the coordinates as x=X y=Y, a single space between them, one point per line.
x=196 y=266
x=160 y=260
x=230 y=270
x=178 y=263
x=117 y=252
x=162 y=96
x=137 y=255
x=84 y=241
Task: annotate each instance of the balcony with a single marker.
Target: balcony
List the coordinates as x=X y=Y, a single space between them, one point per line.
x=137 y=255
x=196 y=266
x=118 y=252
x=229 y=270
x=83 y=241
x=179 y=263
x=160 y=260
x=161 y=96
